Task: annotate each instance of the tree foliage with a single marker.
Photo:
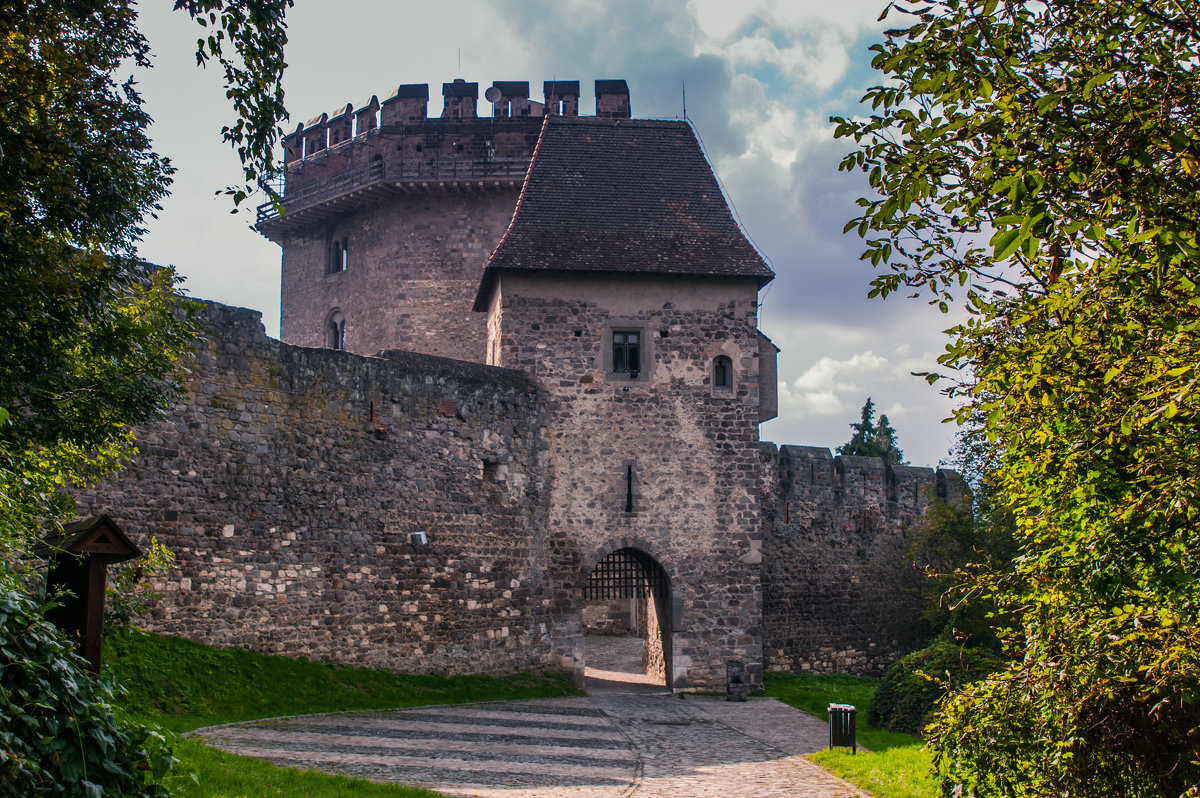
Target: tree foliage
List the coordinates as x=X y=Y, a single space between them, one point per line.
x=956 y=539
x=247 y=38
x=873 y=440
x=89 y=334
x=1040 y=163
x=58 y=732
x=912 y=687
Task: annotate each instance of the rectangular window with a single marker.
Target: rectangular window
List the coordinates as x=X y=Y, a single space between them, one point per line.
x=627 y=352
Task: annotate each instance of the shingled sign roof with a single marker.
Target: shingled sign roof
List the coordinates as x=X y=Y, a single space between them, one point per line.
x=622 y=196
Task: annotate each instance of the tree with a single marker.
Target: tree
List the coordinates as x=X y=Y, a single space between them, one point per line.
x=1040 y=164
x=869 y=440
x=89 y=334
x=957 y=539
x=59 y=732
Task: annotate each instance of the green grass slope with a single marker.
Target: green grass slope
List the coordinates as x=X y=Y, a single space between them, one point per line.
x=896 y=766
x=180 y=685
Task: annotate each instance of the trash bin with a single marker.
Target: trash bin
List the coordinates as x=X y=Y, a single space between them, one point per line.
x=841 y=727
x=736 y=688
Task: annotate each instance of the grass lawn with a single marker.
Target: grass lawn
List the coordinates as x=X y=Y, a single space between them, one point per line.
x=897 y=766
x=179 y=685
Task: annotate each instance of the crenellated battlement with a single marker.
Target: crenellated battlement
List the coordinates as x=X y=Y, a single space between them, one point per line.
x=409 y=104
x=341 y=160
x=905 y=487
x=840 y=588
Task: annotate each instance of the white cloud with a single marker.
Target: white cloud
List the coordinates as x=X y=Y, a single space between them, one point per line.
x=818 y=402
x=828 y=373
x=809 y=43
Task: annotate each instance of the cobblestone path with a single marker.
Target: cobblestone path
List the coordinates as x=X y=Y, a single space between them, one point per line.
x=623 y=739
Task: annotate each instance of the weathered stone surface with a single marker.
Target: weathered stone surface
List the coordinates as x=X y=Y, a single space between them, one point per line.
x=840 y=589
x=288 y=483
x=418 y=208
x=691 y=451
x=295 y=483
x=289 y=480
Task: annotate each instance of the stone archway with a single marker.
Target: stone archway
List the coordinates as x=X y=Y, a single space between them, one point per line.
x=634 y=591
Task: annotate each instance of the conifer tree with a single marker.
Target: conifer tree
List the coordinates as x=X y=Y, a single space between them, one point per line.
x=871 y=440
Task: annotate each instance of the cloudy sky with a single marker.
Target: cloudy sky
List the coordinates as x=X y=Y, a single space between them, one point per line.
x=761 y=77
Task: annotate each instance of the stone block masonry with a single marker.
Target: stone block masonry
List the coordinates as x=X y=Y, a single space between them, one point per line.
x=397 y=275
x=840 y=590
x=290 y=483
x=663 y=461
x=338 y=498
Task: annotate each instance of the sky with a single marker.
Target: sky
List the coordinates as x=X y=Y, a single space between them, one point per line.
x=761 y=79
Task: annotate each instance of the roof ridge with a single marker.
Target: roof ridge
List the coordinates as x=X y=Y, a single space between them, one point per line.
x=512 y=220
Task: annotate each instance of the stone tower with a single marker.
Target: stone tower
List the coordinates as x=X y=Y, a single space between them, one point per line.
x=621 y=284
x=389 y=216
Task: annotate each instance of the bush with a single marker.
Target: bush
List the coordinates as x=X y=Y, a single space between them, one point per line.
x=58 y=733
x=913 y=686
x=128 y=593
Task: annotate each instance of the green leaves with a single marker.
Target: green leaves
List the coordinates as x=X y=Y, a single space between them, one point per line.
x=1062 y=136
x=58 y=727
x=1005 y=243
x=247 y=38
x=91 y=333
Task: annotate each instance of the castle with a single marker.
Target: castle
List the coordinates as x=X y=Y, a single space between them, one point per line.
x=517 y=396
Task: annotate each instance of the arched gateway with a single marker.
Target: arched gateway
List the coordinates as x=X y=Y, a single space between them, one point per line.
x=629 y=592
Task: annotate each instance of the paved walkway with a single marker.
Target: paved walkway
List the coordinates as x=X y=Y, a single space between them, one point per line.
x=628 y=738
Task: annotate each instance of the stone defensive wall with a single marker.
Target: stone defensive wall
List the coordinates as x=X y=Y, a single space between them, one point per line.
x=840 y=588
x=394 y=511
x=384 y=511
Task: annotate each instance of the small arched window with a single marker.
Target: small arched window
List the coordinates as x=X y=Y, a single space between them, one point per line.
x=335 y=330
x=722 y=373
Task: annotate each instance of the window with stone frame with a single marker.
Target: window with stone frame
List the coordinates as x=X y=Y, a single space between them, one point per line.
x=722 y=374
x=627 y=352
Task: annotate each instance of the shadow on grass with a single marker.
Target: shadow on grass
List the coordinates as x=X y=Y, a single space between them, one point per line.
x=179 y=685
x=222 y=775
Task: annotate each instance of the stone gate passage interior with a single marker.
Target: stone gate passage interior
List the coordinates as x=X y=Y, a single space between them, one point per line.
x=628 y=596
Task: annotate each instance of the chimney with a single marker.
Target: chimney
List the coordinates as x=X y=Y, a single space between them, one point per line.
x=612 y=99
x=407 y=104
x=461 y=98
x=562 y=97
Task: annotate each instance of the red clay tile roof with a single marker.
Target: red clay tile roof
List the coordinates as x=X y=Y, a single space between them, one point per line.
x=622 y=196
